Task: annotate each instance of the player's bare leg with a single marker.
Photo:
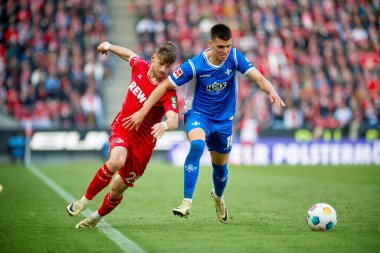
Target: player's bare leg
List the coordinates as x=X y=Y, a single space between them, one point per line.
x=110 y=202
x=117 y=158
x=101 y=180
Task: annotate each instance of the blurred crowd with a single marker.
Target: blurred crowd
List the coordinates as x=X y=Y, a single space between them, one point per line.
x=50 y=73
x=322 y=56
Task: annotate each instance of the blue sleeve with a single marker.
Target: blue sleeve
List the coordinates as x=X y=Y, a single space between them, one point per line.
x=243 y=64
x=182 y=74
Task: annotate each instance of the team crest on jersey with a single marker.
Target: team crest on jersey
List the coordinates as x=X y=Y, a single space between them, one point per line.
x=177 y=72
x=174 y=102
x=119 y=140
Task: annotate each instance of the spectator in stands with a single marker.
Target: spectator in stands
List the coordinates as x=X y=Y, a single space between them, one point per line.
x=293 y=118
x=310 y=50
x=47 y=56
x=343 y=115
x=92 y=107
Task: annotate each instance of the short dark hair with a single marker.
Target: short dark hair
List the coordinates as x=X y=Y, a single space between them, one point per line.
x=220 y=31
x=167 y=52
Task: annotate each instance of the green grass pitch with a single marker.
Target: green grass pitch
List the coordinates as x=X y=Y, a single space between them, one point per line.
x=267 y=207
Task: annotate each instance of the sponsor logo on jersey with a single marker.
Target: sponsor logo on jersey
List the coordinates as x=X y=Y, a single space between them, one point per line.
x=216 y=87
x=177 y=72
x=136 y=90
x=174 y=102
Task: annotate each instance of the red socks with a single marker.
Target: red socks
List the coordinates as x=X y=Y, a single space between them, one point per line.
x=108 y=205
x=99 y=182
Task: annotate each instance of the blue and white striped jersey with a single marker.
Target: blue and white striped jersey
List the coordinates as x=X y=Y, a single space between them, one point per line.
x=212 y=90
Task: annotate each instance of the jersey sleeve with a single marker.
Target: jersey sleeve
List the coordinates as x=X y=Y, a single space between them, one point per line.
x=243 y=64
x=182 y=74
x=169 y=101
x=135 y=61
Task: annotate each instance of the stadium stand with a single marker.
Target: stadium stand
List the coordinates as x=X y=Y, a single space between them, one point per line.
x=323 y=56
x=50 y=73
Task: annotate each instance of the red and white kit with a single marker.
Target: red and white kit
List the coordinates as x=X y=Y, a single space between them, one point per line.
x=140 y=143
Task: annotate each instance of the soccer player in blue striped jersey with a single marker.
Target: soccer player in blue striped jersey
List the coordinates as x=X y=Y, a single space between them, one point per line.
x=210 y=104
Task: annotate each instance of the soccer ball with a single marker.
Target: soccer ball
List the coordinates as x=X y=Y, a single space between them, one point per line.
x=321 y=217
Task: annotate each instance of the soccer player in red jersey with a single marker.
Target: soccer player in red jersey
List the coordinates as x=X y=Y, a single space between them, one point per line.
x=130 y=151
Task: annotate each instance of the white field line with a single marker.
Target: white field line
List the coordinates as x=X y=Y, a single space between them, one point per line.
x=114 y=235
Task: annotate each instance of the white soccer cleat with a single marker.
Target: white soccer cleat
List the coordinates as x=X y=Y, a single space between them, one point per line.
x=184 y=209
x=220 y=208
x=77 y=207
x=89 y=222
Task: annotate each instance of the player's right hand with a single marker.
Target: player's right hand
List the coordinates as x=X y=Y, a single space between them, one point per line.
x=101 y=48
x=276 y=100
x=134 y=121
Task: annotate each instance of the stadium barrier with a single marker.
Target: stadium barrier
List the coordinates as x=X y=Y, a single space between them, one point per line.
x=286 y=150
x=71 y=145
x=272 y=147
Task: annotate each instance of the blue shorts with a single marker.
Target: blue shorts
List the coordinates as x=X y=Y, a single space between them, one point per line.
x=218 y=134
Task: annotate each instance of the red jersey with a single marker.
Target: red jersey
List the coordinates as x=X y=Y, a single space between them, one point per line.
x=140 y=88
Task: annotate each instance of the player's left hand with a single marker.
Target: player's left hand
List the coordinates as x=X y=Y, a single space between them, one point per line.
x=158 y=130
x=276 y=100
x=101 y=48
x=134 y=121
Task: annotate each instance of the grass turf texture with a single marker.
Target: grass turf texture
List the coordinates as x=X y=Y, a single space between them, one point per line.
x=267 y=207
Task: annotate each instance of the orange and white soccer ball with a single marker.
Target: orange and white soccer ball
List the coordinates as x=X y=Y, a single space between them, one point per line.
x=321 y=217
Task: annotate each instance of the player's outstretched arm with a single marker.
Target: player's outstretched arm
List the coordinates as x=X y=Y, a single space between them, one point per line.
x=171 y=123
x=266 y=86
x=122 y=52
x=134 y=121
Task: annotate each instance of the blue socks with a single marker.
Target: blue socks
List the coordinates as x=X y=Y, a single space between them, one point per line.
x=220 y=177
x=191 y=171
x=191 y=168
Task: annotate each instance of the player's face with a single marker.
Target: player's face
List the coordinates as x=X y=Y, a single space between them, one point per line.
x=160 y=68
x=221 y=48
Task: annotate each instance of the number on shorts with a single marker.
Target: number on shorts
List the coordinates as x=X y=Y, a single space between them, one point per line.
x=229 y=141
x=132 y=178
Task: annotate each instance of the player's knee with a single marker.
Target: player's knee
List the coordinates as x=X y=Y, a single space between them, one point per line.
x=117 y=188
x=196 y=149
x=114 y=164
